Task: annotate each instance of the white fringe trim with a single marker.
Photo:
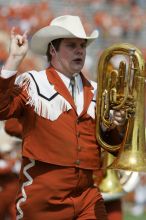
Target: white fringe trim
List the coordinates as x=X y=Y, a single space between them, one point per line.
x=28 y=183
x=91 y=109
x=47 y=109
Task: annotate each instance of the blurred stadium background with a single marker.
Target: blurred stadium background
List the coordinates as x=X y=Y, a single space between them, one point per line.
x=116 y=20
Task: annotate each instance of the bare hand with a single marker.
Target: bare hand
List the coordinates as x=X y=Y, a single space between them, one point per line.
x=19 y=44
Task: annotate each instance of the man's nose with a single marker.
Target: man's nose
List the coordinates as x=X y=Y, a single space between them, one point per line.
x=79 y=50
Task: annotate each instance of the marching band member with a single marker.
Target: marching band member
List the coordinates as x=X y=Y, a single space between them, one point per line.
x=56 y=108
x=9 y=170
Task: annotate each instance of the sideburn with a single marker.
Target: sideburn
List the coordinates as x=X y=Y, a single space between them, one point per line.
x=56 y=43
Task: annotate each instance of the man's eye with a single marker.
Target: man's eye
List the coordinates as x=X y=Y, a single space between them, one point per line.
x=83 y=45
x=71 y=45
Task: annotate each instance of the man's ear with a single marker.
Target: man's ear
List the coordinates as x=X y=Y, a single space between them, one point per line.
x=52 y=50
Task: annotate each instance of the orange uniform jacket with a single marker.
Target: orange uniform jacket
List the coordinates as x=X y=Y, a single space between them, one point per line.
x=59 y=137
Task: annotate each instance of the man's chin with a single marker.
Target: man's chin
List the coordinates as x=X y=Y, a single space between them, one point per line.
x=78 y=69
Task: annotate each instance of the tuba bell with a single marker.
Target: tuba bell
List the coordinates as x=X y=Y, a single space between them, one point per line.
x=110 y=185
x=114 y=184
x=123 y=88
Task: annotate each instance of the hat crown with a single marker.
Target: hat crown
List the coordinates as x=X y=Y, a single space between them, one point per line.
x=66 y=26
x=70 y=23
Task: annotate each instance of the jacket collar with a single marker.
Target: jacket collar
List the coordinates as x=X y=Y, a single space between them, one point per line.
x=60 y=87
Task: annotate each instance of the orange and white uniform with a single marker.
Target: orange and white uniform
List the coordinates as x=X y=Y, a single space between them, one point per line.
x=59 y=147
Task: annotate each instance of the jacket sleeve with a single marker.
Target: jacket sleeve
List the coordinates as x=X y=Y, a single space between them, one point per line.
x=12 y=98
x=13 y=127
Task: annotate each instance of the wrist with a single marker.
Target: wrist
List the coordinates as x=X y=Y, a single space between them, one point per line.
x=16 y=58
x=13 y=62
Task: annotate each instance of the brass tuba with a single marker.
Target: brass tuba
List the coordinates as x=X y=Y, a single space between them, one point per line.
x=123 y=88
x=110 y=185
x=114 y=184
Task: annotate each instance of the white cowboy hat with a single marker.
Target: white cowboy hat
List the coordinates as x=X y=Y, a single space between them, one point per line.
x=66 y=26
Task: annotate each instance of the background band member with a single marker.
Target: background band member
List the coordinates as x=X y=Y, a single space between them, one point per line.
x=10 y=148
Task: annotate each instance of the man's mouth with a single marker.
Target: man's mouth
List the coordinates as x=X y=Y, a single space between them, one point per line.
x=78 y=60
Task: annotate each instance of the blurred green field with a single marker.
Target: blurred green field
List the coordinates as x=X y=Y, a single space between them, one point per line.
x=128 y=216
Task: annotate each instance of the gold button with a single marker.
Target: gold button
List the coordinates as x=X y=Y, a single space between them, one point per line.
x=78 y=134
x=79 y=148
x=78 y=121
x=1 y=188
x=77 y=162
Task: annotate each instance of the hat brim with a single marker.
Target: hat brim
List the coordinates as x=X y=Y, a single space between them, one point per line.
x=40 y=40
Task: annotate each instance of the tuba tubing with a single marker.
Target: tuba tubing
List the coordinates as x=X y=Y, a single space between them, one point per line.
x=123 y=89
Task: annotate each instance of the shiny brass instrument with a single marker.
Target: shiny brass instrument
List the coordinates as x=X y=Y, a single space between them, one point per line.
x=123 y=88
x=110 y=185
x=115 y=183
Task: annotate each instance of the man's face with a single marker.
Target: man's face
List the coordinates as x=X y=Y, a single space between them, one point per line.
x=70 y=57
